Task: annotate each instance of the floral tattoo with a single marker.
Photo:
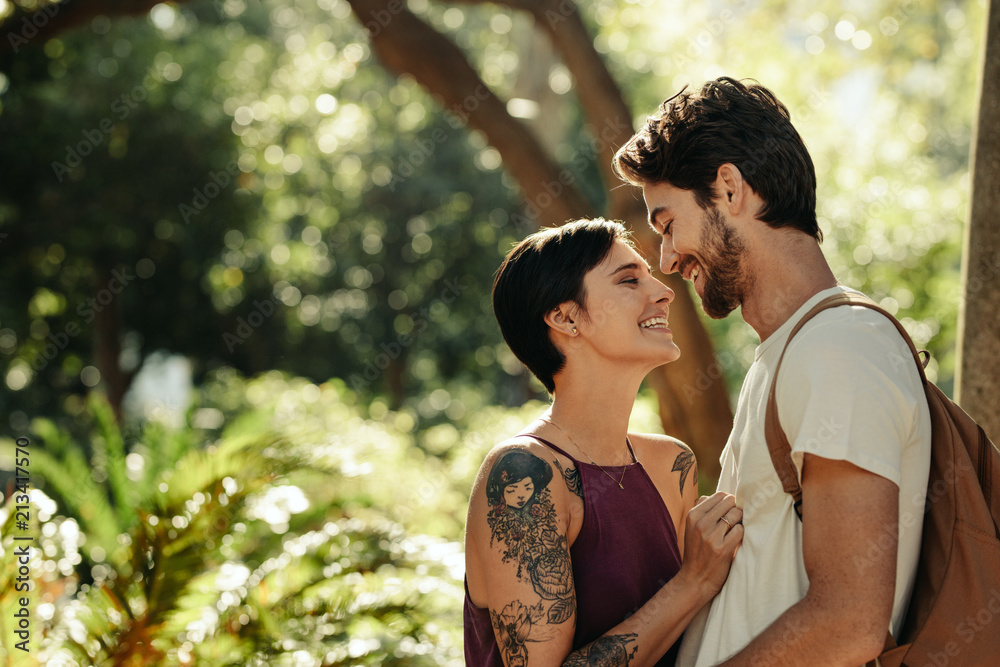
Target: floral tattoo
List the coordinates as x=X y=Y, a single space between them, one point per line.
x=523 y=518
x=684 y=463
x=514 y=626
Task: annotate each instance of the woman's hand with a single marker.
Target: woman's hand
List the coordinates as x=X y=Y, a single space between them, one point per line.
x=710 y=543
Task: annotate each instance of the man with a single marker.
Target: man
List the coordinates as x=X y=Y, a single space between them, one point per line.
x=731 y=189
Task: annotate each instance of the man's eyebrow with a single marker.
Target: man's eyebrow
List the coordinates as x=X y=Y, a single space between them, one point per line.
x=626 y=267
x=655 y=213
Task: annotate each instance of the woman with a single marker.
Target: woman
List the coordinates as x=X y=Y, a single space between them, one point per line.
x=586 y=544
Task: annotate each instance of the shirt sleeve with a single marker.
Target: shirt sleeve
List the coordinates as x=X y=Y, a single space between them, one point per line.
x=848 y=390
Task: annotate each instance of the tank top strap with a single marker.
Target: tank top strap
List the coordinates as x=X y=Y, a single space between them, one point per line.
x=550 y=446
x=628 y=443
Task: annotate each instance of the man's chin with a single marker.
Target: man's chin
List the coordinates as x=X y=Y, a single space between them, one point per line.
x=718 y=309
x=718 y=314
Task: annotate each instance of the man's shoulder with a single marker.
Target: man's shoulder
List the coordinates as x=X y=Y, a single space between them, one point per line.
x=851 y=332
x=853 y=349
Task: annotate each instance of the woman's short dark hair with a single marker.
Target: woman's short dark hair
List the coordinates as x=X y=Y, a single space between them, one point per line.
x=693 y=134
x=512 y=468
x=545 y=270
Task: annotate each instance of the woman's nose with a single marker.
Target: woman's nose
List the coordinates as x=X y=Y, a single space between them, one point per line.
x=663 y=294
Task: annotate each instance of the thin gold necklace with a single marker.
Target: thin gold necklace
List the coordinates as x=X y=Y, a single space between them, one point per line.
x=624 y=467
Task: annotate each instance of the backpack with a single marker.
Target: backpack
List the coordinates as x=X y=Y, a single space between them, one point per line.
x=953 y=615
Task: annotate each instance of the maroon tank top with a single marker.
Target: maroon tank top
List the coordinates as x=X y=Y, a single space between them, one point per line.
x=625 y=552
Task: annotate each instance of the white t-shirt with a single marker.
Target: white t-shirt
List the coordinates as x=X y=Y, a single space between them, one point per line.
x=848 y=390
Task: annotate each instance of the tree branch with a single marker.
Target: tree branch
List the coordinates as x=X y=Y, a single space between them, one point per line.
x=398 y=36
x=601 y=99
x=692 y=393
x=24 y=29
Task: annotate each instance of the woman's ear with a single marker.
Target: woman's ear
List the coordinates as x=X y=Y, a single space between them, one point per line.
x=560 y=319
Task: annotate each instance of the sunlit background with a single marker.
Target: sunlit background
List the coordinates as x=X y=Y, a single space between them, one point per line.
x=245 y=310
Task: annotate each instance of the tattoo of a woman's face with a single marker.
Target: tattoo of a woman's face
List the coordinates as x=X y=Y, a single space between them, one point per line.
x=522 y=517
x=519 y=493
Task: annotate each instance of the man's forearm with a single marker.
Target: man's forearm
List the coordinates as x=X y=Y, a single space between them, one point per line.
x=812 y=633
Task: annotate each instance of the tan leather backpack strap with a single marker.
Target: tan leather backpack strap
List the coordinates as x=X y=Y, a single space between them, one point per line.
x=888 y=645
x=777 y=442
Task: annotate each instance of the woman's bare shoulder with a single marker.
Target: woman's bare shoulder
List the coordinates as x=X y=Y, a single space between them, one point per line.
x=521 y=456
x=516 y=445
x=658 y=445
x=665 y=455
x=519 y=477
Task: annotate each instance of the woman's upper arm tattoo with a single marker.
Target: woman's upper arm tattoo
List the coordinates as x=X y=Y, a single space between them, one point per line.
x=523 y=523
x=522 y=517
x=684 y=463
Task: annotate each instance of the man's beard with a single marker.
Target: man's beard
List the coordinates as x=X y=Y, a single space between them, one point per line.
x=725 y=283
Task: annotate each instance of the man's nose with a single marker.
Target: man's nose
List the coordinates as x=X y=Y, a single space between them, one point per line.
x=669 y=258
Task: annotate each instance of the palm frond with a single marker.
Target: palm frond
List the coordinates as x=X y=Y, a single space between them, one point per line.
x=109 y=452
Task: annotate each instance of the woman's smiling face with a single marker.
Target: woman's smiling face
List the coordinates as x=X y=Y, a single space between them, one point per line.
x=518 y=493
x=627 y=310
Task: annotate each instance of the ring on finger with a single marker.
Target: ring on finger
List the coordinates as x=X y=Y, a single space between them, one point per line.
x=728 y=523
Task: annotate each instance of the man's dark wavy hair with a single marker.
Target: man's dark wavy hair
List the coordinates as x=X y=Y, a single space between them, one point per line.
x=544 y=270
x=693 y=134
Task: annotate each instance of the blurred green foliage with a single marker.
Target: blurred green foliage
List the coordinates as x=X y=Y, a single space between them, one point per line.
x=277 y=200
x=306 y=531
x=274 y=537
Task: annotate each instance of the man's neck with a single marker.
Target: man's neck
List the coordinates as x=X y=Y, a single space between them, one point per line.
x=788 y=269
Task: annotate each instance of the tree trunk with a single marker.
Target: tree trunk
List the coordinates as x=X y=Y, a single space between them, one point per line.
x=692 y=393
x=107 y=343
x=693 y=400
x=977 y=381
x=395 y=375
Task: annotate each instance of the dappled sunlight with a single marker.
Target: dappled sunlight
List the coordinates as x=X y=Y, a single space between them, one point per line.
x=242 y=188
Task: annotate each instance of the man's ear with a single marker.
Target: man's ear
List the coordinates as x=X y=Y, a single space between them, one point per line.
x=560 y=319
x=732 y=191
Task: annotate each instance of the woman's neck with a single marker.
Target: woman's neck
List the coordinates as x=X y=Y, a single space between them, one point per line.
x=592 y=413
